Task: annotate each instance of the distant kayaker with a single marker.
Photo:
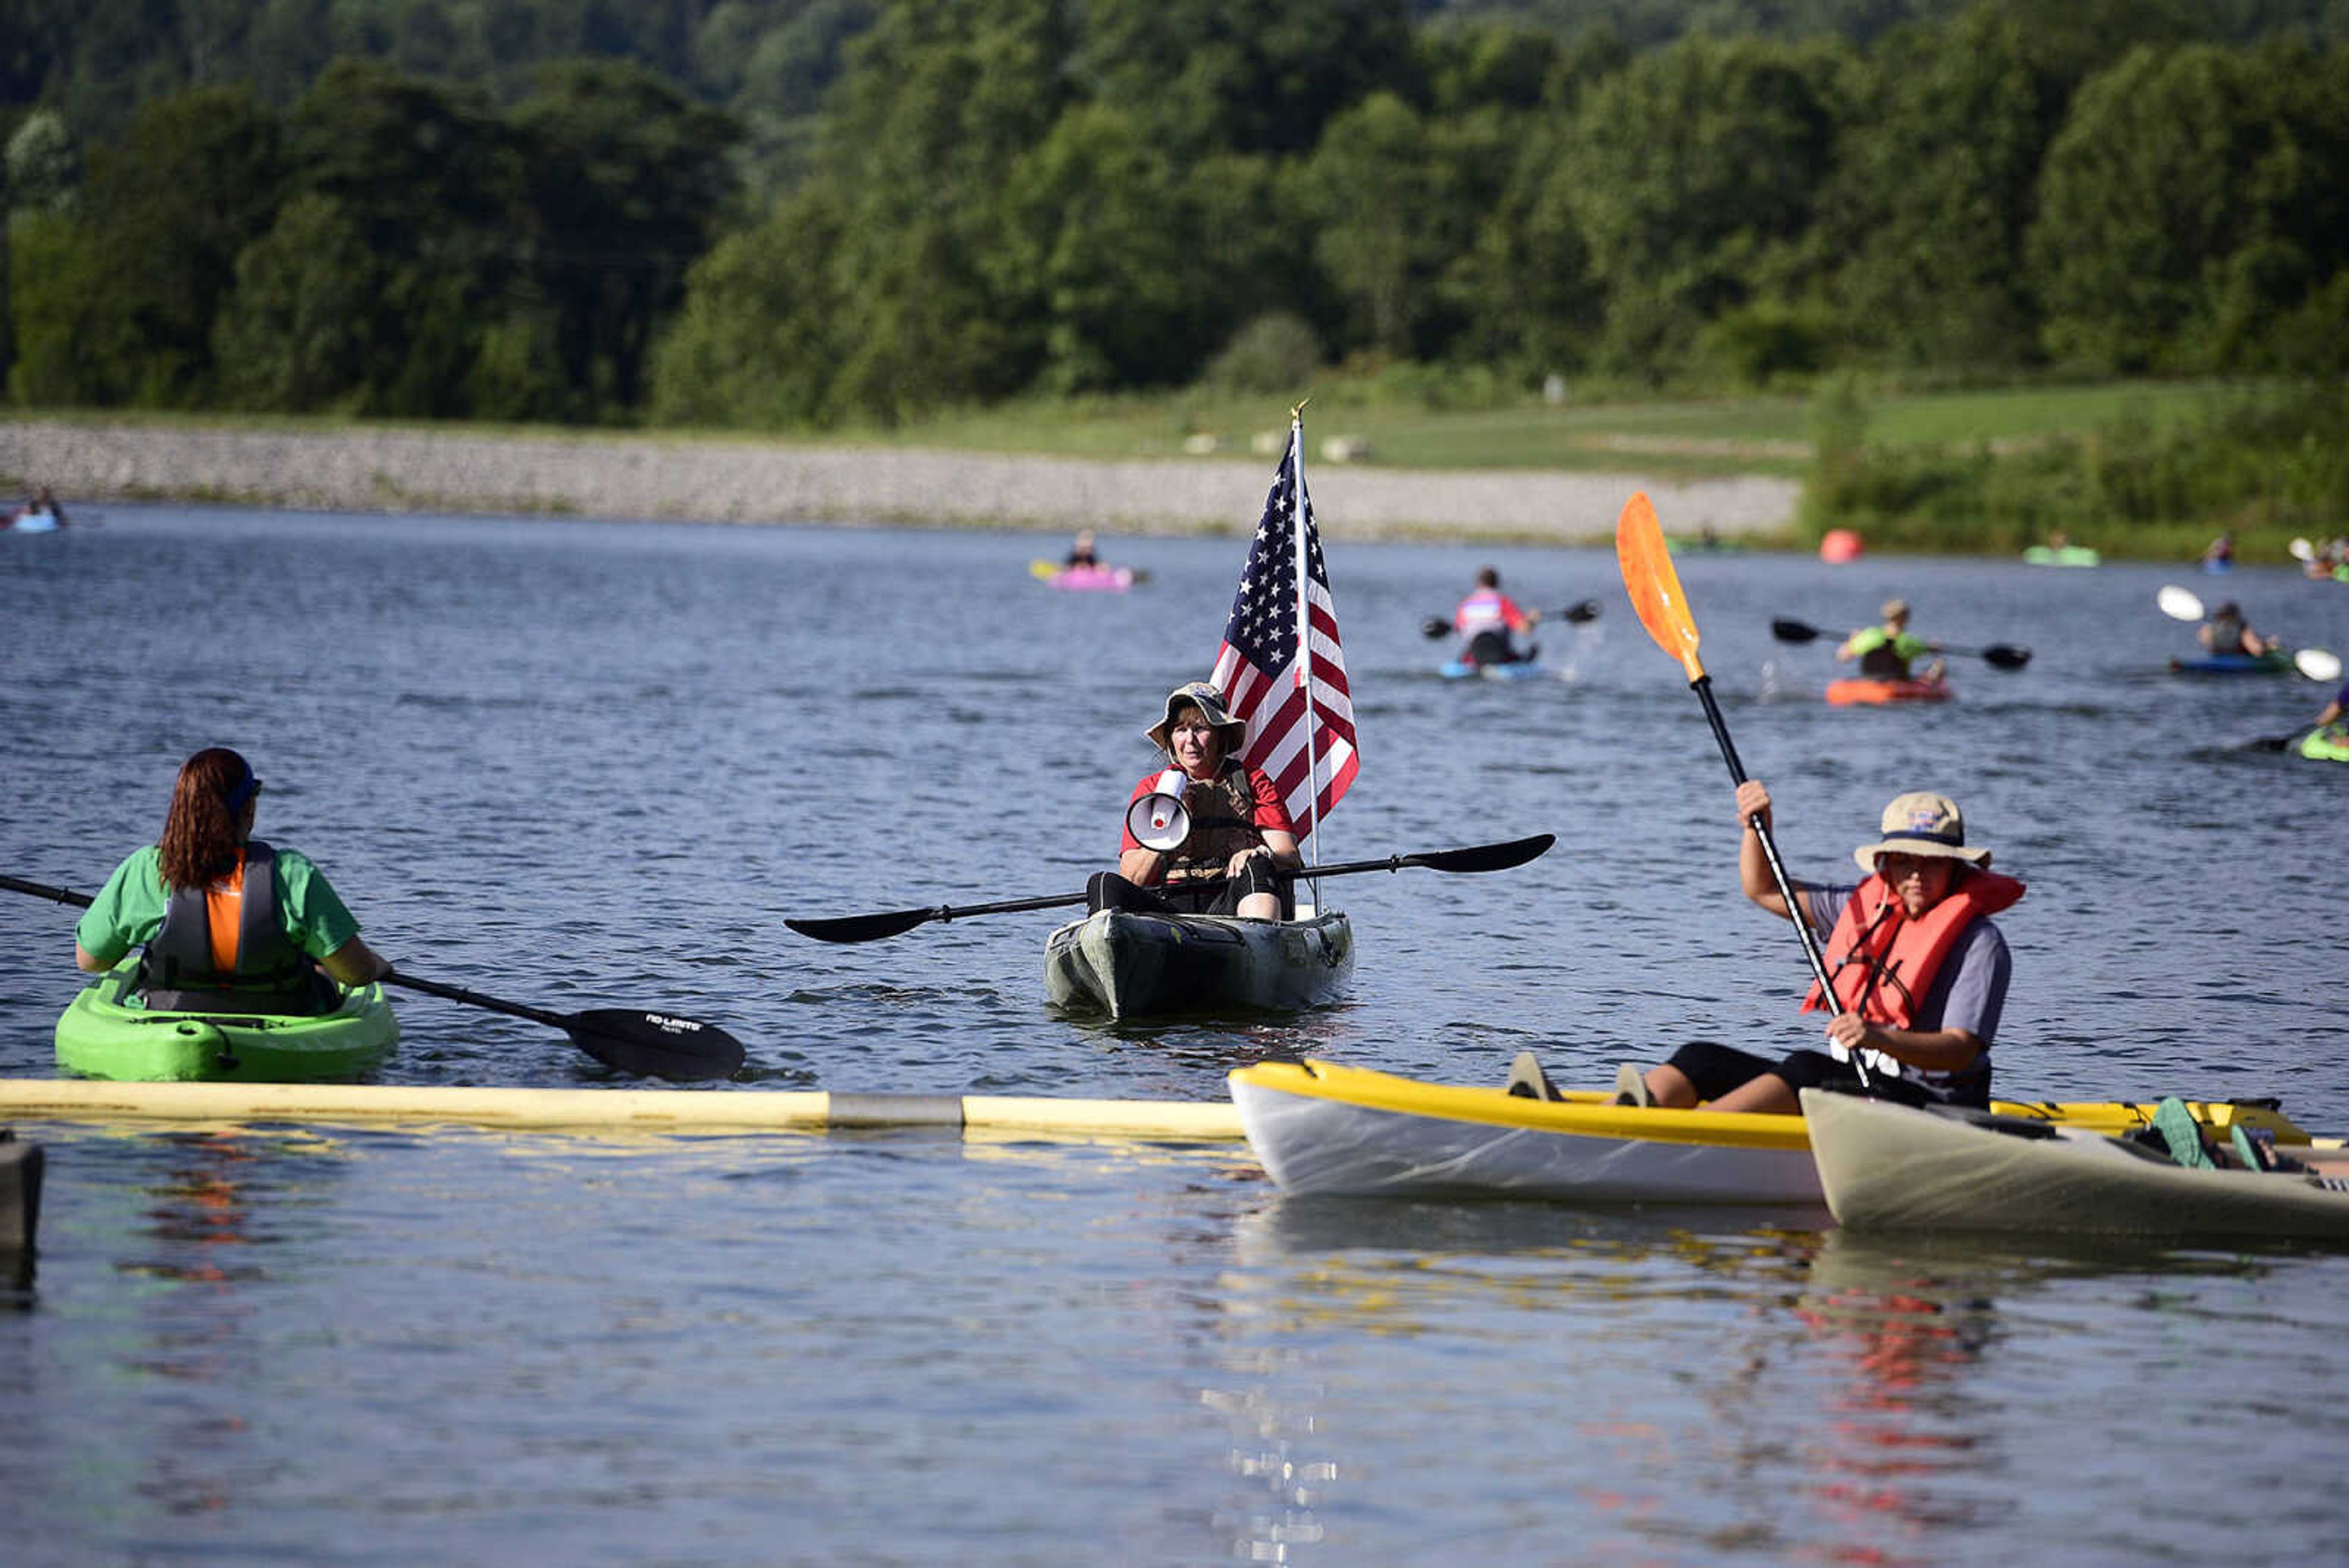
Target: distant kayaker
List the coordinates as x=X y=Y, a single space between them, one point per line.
x=40 y=515
x=2334 y=709
x=1239 y=830
x=1920 y=972
x=1486 y=618
x=2220 y=555
x=1081 y=553
x=2224 y=632
x=1884 y=652
x=227 y=921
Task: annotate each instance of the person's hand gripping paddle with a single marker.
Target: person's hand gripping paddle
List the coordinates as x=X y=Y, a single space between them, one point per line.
x=1662 y=608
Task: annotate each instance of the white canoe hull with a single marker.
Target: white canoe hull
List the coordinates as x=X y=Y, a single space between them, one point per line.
x=1891 y=1168
x=1324 y=1130
x=1132 y=965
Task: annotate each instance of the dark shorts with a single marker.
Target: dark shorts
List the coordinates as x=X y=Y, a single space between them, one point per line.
x=1715 y=1069
x=1108 y=890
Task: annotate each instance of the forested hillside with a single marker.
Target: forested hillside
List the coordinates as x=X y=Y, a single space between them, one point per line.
x=791 y=213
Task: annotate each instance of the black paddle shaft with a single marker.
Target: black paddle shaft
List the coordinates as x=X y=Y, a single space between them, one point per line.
x=1702 y=687
x=1582 y=612
x=650 y=1045
x=896 y=922
x=1999 y=655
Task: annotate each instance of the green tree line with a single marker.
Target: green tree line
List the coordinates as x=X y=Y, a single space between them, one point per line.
x=988 y=199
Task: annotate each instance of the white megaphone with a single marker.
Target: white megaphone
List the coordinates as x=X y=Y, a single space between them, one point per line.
x=1157 y=820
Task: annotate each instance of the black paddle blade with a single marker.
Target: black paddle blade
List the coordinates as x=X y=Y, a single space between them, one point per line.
x=1485 y=856
x=1794 y=631
x=655 y=1044
x=2002 y=657
x=1581 y=613
x=862 y=927
x=1431 y=628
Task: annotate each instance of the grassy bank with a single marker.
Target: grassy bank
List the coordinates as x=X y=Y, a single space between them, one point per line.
x=2143 y=469
x=2269 y=463
x=1707 y=438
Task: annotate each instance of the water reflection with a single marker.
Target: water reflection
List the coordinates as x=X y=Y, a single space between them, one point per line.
x=1522 y=1330
x=203 y=1326
x=1709 y=1385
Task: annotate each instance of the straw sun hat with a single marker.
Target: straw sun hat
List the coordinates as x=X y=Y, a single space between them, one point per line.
x=1210 y=703
x=1921 y=823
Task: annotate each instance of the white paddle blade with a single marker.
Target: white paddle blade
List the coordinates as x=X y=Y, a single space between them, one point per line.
x=2177 y=604
x=2301 y=550
x=2318 y=663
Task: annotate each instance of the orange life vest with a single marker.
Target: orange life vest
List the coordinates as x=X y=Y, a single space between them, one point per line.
x=221 y=947
x=1882 y=962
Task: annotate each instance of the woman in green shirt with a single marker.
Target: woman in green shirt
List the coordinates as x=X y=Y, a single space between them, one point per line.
x=1884 y=651
x=223 y=916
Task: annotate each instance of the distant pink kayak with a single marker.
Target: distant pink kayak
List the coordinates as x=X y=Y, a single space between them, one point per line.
x=1091 y=579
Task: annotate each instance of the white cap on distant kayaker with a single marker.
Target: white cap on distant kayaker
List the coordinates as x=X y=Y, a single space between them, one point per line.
x=1210 y=703
x=1921 y=823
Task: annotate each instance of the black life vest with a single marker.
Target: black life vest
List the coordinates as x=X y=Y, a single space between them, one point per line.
x=1223 y=822
x=272 y=973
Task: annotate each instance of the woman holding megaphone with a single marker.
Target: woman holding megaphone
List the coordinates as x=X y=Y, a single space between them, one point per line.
x=1207 y=835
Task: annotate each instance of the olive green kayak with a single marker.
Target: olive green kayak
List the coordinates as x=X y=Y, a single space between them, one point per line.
x=109 y=1033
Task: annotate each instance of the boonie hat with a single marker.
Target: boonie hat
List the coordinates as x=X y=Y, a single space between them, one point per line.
x=1210 y=703
x=1921 y=823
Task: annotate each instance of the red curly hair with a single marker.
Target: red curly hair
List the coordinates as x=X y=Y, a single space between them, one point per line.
x=200 y=843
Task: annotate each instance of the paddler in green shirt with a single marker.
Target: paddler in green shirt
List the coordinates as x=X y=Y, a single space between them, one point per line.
x=226 y=921
x=1886 y=651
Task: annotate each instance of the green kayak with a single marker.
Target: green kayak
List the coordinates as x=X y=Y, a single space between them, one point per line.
x=109 y=1033
x=2330 y=744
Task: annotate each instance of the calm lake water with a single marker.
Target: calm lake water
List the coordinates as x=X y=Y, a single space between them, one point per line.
x=584 y=764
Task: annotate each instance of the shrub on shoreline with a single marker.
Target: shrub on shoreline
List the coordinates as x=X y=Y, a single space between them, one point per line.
x=2267 y=462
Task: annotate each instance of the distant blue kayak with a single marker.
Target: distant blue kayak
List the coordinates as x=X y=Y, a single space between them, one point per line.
x=2233 y=664
x=1516 y=670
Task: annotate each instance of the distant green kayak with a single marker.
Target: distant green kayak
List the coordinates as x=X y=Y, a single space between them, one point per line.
x=2330 y=744
x=2062 y=555
x=109 y=1032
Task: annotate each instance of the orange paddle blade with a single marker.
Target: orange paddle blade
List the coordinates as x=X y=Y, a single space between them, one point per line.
x=1654 y=584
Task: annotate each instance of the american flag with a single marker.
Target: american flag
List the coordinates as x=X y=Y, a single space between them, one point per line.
x=1258 y=668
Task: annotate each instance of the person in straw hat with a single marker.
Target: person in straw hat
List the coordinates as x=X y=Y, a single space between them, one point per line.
x=1884 y=652
x=1240 y=834
x=1919 y=968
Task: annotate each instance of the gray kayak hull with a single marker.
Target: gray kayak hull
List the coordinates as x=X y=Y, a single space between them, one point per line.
x=1130 y=964
x=1887 y=1166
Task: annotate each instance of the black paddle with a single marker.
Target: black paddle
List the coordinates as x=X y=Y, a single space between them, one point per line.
x=1664 y=609
x=651 y=1044
x=1581 y=613
x=1999 y=655
x=894 y=922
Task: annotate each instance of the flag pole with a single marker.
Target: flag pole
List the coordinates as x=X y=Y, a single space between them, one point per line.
x=1297 y=503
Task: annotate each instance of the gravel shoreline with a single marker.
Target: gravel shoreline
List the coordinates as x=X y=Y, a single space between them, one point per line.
x=637 y=478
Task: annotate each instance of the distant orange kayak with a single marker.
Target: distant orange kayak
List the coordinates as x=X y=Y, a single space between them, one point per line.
x=1844 y=694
